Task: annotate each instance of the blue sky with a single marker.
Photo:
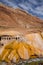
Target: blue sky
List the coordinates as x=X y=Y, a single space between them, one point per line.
x=34 y=7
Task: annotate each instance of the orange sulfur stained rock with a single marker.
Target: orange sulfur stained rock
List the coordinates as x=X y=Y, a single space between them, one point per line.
x=13 y=56
x=23 y=52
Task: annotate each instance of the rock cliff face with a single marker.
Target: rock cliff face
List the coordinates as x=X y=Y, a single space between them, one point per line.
x=19 y=20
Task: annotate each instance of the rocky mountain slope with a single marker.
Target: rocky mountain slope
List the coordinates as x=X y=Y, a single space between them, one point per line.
x=18 y=20
x=28 y=31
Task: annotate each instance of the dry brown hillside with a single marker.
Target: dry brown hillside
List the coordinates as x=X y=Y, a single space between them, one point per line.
x=19 y=20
